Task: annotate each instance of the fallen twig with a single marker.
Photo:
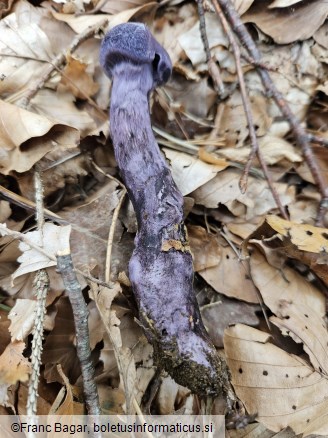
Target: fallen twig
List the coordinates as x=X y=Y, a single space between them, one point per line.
x=80 y=313
x=213 y=69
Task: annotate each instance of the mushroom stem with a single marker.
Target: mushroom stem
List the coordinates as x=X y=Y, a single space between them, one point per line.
x=160 y=269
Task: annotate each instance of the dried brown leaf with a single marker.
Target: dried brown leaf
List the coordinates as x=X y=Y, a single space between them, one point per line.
x=189 y=172
x=125 y=360
x=283 y=3
x=91 y=221
x=64 y=404
x=321 y=36
x=281 y=388
x=234 y=125
x=76 y=79
x=53 y=239
x=14 y=367
x=114 y=7
x=60 y=106
x=26 y=137
x=230 y=277
x=224 y=189
x=286 y=27
x=219 y=315
x=303 y=242
x=204 y=247
x=22 y=317
x=59 y=346
x=286 y=285
x=80 y=23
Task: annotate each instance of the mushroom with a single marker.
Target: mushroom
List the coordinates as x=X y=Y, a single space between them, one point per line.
x=160 y=269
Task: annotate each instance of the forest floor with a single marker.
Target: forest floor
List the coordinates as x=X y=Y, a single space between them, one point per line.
x=258 y=236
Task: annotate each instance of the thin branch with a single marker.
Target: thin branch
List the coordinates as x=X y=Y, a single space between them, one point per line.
x=111 y=237
x=80 y=313
x=114 y=220
x=299 y=133
x=212 y=66
x=317 y=139
x=255 y=150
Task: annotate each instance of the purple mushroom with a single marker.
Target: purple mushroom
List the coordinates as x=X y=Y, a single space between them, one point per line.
x=160 y=269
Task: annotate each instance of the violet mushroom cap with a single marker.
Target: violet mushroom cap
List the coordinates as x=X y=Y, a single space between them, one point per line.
x=133 y=43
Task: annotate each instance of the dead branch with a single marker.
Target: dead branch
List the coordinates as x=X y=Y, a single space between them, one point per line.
x=213 y=69
x=80 y=313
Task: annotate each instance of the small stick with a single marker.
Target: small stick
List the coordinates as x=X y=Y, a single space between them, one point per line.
x=111 y=236
x=255 y=150
x=212 y=66
x=299 y=133
x=317 y=139
x=80 y=313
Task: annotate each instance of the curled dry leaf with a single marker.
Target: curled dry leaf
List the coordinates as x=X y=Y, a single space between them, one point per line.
x=14 y=367
x=224 y=189
x=230 y=277
x=205 y=248
x=60 y=106
x=76 y=78
x=285 y=27
x=273 y=149
x=59 y=347
x=285 y=285
x=54 y=239
x=22 y=317
x=189 y=172
x=64 y=404
x=26 y=137
x=303 y=242
x=80 y=23
x=281 y=388
x=305 y=237
x=219 y=315
x=283 y=3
